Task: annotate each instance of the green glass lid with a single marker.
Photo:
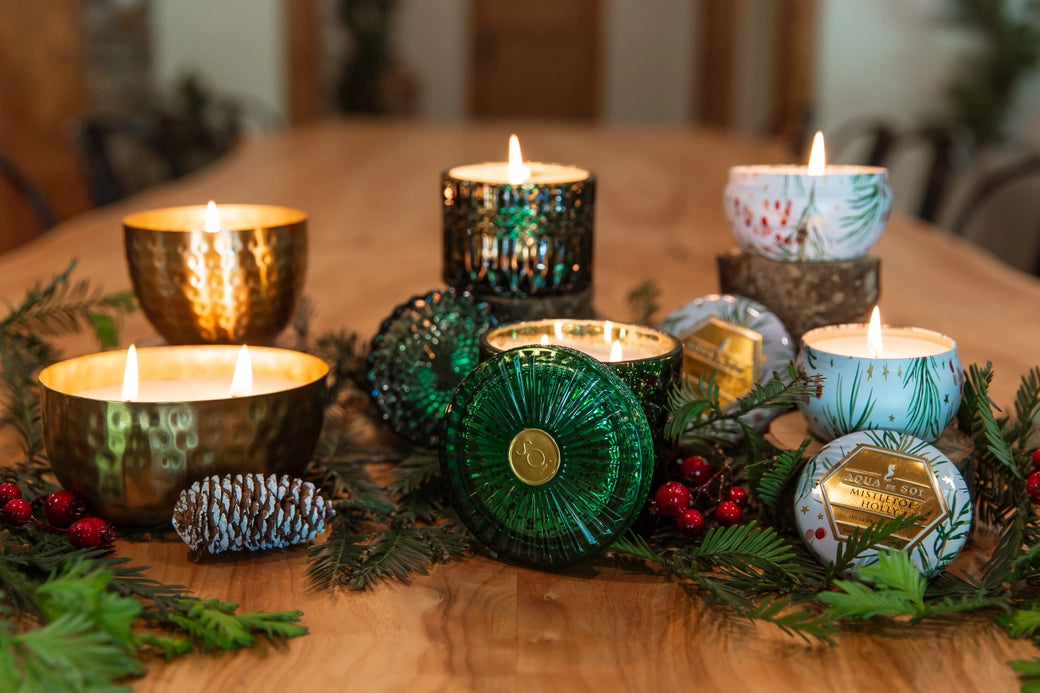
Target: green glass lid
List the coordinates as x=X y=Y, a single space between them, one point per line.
x=421 y=353
x=547 y=453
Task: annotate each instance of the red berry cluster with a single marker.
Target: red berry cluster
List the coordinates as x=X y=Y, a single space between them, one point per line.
x=1033 y=481
x=703 y=490
x=63 y=513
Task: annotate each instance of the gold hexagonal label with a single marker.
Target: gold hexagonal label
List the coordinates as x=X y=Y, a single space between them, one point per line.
x=871 y=484
x=732 y=352
x=534 y=456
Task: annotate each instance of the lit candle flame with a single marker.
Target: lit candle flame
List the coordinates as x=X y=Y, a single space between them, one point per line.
x=517 y=172
x=242 y=380
x=544 y=340
x=558 y=329
x=818 y=156
x=212 y=224
x=608 y=331
x=615 y=351
x=130 y=375
x=874 y=334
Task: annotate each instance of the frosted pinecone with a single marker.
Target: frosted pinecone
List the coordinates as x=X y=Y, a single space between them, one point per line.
x=250 y=512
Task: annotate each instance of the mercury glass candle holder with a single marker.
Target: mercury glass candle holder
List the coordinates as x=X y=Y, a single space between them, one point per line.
x=784 y=213
x=650 y=361
x=547 y=454
x=129 y=460
x=912 y=386
x=528 y=239
x=236 y=285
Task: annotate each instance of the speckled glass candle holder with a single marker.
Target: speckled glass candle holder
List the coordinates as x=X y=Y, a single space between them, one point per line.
x=784 y=213
x=649 y=361
x=912 y=386
x=530 y=239
x=238 y=284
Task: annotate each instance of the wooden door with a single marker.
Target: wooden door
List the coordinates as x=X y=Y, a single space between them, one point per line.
x=535 y=59
x=42 y=86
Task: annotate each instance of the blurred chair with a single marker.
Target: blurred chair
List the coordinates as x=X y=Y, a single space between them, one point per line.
x=123 y=154
x=945 y=151
x=28 y=193
x=1001 y=212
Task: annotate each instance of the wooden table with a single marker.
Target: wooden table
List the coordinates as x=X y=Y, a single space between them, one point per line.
x=372 y=193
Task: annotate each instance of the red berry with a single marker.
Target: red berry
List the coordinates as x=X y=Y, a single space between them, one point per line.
x=1033 y=486
x=690 y=522
x=695 y=470
x=8 y=492
x=17 y=512
x=728 y=513
x=62 y=508
x=83 y=534
x=106 y=535
x=672 y=497
x=738 y=495
x=1036 y=459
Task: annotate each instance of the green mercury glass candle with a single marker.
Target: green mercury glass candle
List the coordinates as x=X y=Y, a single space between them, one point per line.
x=547 y=454
x=648 y=360
x=518 y=229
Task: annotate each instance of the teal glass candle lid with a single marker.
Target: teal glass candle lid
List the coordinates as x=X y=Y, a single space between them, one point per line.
x=547 y=454
x=866 y=477
x=911 y=383
x=421 y=353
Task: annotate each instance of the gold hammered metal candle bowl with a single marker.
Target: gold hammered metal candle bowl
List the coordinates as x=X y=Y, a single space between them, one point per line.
x=236 y=285
x=130 y=460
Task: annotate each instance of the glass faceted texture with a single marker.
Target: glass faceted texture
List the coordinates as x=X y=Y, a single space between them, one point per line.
x=548 y=455
x=421 y=353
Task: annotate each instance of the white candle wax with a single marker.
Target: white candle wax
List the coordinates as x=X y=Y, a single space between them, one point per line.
x=897 y=343
x=539 y=173
x=187 y=389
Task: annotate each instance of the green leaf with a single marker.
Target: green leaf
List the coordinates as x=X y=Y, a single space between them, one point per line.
x=1020 y=622
x=793 y=621
x=860 y=540
x=770 y=487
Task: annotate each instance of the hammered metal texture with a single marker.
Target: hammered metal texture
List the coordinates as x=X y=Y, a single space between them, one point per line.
x=231 y=286
x=130 y=460
x=532 y=239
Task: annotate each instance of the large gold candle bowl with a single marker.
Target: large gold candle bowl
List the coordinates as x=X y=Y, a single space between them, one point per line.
x=238 y=283
x=130 y=459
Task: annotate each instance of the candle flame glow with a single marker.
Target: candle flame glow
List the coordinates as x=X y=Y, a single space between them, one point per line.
x=615 y=351
x=544 y=340
x=818 y=156
x=242 y=380
x=212 y=224
x=608 y=331
x=130 y=375
x=874 y=334
x=517 y=172
x=558 y=329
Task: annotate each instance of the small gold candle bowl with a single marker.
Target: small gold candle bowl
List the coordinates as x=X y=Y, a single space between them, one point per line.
x=234 y=285
x=129 y=460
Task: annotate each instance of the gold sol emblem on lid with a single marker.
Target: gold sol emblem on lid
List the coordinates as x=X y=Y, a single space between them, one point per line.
x=871 y=484
x=534 y=456
x=732 y=352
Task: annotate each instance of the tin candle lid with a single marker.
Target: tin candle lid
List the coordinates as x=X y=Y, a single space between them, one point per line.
x=870 y=476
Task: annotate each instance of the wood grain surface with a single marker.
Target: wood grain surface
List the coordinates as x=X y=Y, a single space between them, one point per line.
x=371 y=191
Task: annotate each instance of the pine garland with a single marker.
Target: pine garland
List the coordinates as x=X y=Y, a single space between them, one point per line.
x=85 y=609
x=77 y=619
